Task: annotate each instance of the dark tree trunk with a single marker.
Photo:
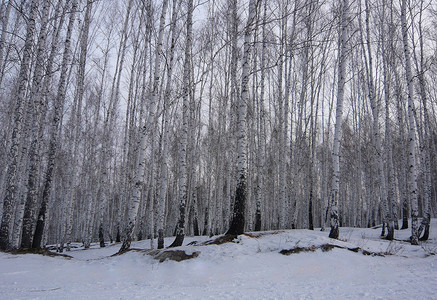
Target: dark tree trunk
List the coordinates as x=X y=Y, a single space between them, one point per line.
x=101 y=236
x=390 y=233
x=37 y=238
x=396 y=223
x=334 y=232
x=205 y=224
x=180 y=234
x=310 y=212
x=160 y=238
x=196 y=226
x=404 y=214
x=258 y=219
x=238 y=219
x=118 y=237
x=425 y=235
x=179 y=239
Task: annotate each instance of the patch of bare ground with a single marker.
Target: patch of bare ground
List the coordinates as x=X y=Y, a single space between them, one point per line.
x=164 y=254
x=227 y=238
x=175 y=255
x=40 y=251
x=260 y=234
x=329 y=247
x=231 y=238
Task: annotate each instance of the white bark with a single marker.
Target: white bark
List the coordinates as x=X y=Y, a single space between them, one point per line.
x=136 y=114
x=165 y=132
x=5 y=23
x=412 y=184
x=109 y=123
x=76 y=124
x=54 y=132
x=261 y=127
x=238 y=217
x=281 y=117
x=186 y=86
x=427 y=140
x=334 y=233
x=33 y=123
x=11 y=175
x=139 y=176
x=376 y=130
x=387 y=61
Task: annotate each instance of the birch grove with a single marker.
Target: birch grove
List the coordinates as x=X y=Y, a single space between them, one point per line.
x=125 y=120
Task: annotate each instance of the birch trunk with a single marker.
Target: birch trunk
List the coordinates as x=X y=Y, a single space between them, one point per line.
x=376 y=131
x=76 y=126
x=261 y=129
x=389 y=151
x=334 y=233
x=186 y=86
x=97 y=194
x=387 y=59
x=54 y=132
x=5 y=23
x=165 y=132
x=427 y=140
x=108 y=128
x=60 y=11
x=281 y=118
x=234 y=94
x=209 y=211
x=155 y=94
x=139 y=176
x=19 y=99
x=136 y=114
x=238 y=216
x=412 y=185
x=36 y=127
x=402 y=176
x=12 y=38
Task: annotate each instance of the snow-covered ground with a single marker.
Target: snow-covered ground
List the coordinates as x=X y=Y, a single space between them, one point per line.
x=251 y=268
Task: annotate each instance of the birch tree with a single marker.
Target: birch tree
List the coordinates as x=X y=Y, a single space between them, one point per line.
x=334 y=233
x=186 y=86
x=5 y=15
x=238 y=216
x=75 y=130
x=261 y=125
x=109 y=127
x=19 y=97
x=426 y=139
x=412 y=184
x=132 y=140
x=54 y=130
x=387 y=58
x=37 y=102
x=165 y=130
x=376 y=129
x=133 y=210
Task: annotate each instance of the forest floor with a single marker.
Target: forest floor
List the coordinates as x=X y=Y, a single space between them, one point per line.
x=250 y=267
